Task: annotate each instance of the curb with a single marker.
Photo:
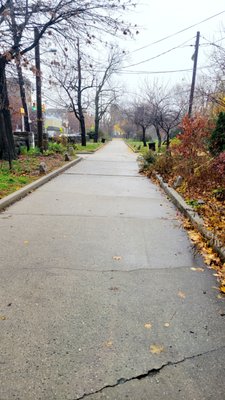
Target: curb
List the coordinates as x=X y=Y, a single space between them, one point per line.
x=19 y=194
x=134 y=151
x=193 y=217
x=80 y=153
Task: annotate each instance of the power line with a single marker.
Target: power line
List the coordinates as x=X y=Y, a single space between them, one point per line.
x=158 y=55
x=177 y=33
x=160 y=72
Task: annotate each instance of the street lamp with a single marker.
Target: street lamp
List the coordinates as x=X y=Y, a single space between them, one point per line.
x=38 y=89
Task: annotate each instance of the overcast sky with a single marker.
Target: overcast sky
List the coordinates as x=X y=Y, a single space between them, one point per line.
x=160 y=18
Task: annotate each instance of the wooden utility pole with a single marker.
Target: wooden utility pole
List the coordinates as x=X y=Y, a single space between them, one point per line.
x=194 y=74
x=38 y=91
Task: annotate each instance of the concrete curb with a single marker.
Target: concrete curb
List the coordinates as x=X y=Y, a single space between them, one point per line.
x=92 y=152
x=19 y=194
x=194 y=218
x=134 y=151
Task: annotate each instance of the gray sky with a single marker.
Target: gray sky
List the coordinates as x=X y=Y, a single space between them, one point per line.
x=160 y=18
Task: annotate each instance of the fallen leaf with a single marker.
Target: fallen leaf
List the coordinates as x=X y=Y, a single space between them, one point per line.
x=26 y=242
x=148 y=325
x=182 y=295
x=117 y=258
x=198 y=269
x=2 y=317
x=167 y=324
x=109 y=343
x=156 y=349
x=194 y=236
x=222 y=289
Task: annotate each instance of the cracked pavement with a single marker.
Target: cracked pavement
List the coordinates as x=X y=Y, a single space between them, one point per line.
x=96 y=269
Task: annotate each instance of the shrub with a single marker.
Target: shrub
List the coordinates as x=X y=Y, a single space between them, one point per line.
x=193 y=138
x=217 y=138
x=23 y=150
x=56 y=147
x=34 y=151
x=146 y=160
x=219 y=164
x=164 y=164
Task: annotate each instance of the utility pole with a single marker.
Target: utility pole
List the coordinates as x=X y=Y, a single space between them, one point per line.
x=38 y=91
x=194 y=74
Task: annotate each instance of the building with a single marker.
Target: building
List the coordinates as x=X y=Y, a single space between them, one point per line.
x=15 y=103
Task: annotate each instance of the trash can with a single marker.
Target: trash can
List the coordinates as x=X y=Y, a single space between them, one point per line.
x=151 y=146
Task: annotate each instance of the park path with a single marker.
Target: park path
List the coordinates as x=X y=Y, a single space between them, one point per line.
x=99 y=293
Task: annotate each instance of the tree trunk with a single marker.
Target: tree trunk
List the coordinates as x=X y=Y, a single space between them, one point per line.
x=23 y=96
x=96 y=117
x=167 y=140
x=144 y=136
x=83 y=131
x=79 y=98
x=158 y=136
x=7 y=150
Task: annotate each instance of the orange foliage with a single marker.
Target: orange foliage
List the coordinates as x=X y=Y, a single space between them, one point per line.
x=193 y=139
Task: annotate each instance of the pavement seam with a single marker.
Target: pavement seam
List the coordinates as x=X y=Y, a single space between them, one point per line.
x=151 y=372
x=103 y=175
x=126 y=271
x=93 y=216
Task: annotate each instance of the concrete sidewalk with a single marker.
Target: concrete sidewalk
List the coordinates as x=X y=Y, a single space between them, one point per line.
x=99 y=293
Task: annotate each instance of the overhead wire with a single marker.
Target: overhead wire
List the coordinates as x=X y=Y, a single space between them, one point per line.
x=178 y=32
x=158 y=55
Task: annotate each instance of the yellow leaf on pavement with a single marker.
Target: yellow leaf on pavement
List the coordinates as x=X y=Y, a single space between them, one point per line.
x=198 y=269
x=2 y=317
x=182 y=295
x=26 y=242
x=167 y=324
x=156 y=349
x=148 y=325
x=117 y=258
x=222 y=289
x=109 y=343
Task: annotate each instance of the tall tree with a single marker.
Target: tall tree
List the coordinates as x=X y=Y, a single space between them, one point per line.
x=141 y=117
x=69 y=75
x=65 y=18
x=105 y=95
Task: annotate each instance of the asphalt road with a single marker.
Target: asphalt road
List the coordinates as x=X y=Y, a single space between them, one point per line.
x=99 y=293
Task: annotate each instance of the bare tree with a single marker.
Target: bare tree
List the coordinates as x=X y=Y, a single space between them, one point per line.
x=66 y=18
x=105 y=94
x=169 y=119
x=140 y=115
x=165 y=108
x=69 y=76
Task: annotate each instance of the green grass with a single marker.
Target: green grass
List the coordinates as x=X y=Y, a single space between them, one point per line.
x=138 y=146
x=90 y=147
x=10 y=181
x=24 y=171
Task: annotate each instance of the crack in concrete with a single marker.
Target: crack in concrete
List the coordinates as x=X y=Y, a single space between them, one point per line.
x=150 y=373
x=102 y=271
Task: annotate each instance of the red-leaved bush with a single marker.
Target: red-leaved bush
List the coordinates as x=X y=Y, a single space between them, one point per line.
x=219 y=164
x=193 y=138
